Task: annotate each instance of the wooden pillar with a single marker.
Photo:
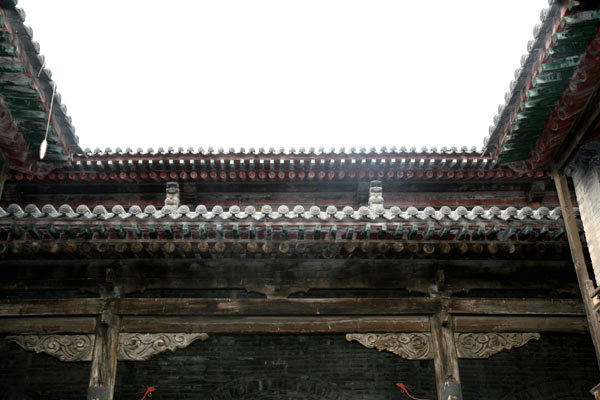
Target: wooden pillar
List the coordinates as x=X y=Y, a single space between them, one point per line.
x=104 y=358
x=445 y=360
x=585 y=284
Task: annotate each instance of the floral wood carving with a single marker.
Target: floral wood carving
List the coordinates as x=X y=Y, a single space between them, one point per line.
x=140 y=347
x=411 y=346
x=64 y=347
x=485 y=345
x=132 y=346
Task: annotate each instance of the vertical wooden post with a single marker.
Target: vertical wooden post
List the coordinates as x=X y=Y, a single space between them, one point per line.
x=104 y=358
x=445 y=358
x=583 y=277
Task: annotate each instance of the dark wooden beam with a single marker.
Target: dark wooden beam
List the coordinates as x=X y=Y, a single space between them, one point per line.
x=289 y=307
x=50 y=307
x=532 y=306
x=279 y=325
x=52 y=325
x=472 y=323
x=295 y=325
x=583 y=277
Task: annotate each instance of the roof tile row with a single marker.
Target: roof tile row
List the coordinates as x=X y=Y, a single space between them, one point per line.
x=281 y=151
x=266 y=212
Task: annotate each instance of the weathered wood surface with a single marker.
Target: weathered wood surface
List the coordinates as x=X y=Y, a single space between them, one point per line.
x=281 y=325
x=445 y=357
x=583 y=276
x=26 y=326
x=46 y=307
x=471 y=323
x=515 y=306
x=104 y=357
x=291 y=325
x=290 y=307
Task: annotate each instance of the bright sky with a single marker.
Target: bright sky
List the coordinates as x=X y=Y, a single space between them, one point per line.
x=252 y=73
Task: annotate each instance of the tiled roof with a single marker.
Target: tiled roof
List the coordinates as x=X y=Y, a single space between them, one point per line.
x=278 y=165
x=286 y=231
x=26 y=89
x=551 y=88
x=231 y=151
x=296 y=214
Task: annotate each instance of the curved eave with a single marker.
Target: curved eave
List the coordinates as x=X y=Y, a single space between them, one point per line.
x=275 y=167
x=530 y=130
x=26 y=92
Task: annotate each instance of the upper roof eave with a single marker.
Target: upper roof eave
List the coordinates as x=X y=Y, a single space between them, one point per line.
x=41 y=78
x=542 y=33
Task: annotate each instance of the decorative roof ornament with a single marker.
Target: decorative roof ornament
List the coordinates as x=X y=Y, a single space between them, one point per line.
x=375 y=196
x=172 y=198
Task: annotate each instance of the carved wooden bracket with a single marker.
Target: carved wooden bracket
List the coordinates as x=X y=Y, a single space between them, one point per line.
x=485 y=345
x=412 y=346
x=418 y=346
x=132 y=346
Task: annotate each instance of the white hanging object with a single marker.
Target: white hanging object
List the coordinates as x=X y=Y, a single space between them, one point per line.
x=44 y=144
x=43 y=148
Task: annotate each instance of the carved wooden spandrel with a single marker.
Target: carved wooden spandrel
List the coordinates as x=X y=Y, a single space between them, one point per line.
x=418 y=346
x=132 y=346
x=67 y=348
x=411 y=346
x=141 y=347
x=485 y=345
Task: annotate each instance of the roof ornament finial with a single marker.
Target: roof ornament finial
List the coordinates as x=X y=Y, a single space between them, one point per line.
x=375 y=195
x=172 y=198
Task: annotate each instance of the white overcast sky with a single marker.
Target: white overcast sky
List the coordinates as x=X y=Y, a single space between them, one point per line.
x=231 y=73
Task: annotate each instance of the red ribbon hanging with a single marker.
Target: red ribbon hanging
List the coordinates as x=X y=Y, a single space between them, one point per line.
x=402 y=387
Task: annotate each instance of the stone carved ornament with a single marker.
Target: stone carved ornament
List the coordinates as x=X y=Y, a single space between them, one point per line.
x=418 y=346
x=132 y=346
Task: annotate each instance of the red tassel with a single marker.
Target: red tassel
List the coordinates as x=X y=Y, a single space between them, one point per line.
x=405 y=391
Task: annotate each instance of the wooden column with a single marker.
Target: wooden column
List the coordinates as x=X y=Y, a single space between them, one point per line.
x=585 y=283
x=445 y=358
x=104 y=358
